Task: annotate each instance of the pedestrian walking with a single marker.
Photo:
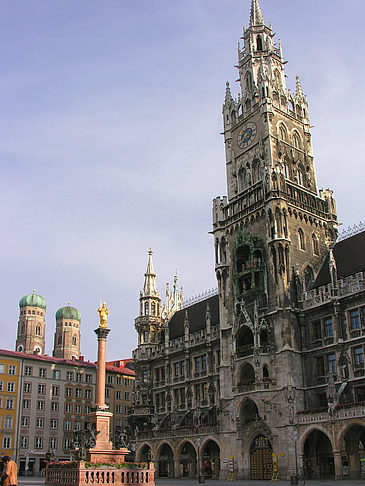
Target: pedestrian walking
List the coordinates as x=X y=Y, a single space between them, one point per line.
x=9 y=476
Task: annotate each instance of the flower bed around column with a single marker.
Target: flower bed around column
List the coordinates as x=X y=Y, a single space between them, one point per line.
x=82 y=473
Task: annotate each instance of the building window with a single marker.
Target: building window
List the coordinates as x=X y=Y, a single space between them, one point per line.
x=67 y=444
x=315 y=245
x=87 y=409
x=355 y=319
x=78 y=393
x=9 y=404
x=2 y=368
x=40 y=405
x=177 y=369
x=301 y=241
x=38 y=330
x=126 y=396
x=68 y=391
x=204 y=362
x=24 y=442
x=1 y=385
x=39 y=423
x=69 y=376
x=12 y=370
x=328 y=327
x=118 y=409
x=145 y=376
x=118 y=395
x=109 y=379
x=10 y=387
x=25 y=422
x=27 y=387
x=77 y=425
x=6 y=442
x=26 y=404
x=68 y=408
x=55 y=390
x=54 y=406
x=146 y=309
x=56 y=374
x=67 y=424
x=359 y=357
x=54 y=424
x=8 y=422
x=197 y=362
x=74 y=341
x=79 y=377
x=331 y=361
x=127 y=381
x=53 y=443
x=78 y=409
x=42 y=372
x=88 y=394
x=38 y=443
x=107 y=392
x=41 y=389
x=28 y=371
x=88 y=379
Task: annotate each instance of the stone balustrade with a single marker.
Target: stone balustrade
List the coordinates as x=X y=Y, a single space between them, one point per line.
x=80 y=475
x=345 y=286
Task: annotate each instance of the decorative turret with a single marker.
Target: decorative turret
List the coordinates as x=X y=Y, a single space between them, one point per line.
x=67 y=334
x=148 y=323
x=31 y=324
x=256 y=17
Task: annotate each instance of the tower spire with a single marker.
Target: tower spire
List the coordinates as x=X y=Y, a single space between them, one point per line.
x=149 y=287
x=298 y=89
x=256 y=17
x=228 y=98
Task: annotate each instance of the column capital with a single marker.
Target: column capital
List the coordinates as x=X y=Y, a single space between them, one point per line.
x=102 y=332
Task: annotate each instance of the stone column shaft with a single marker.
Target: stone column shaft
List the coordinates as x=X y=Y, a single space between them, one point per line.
x=102 y=334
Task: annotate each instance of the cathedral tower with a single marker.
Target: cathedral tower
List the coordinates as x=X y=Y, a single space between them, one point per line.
x=274 y=228
x=67 y=334
x=31 y=324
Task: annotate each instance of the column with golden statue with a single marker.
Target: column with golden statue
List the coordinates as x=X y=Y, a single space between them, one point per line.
x=101 y=416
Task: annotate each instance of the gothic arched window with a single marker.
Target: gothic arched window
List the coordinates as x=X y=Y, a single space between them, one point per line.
x=300 y=177
x=146 y=309
x=283 y=134
x=59 y=340
x=296 y=140
x=74 y=341
x=249 y=81
x=259 y=43
x=315 y=245
x=38 y=330
x=301 y=240
x=153 y=309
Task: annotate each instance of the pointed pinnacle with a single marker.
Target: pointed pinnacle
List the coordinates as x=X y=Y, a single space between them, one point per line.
x=228 y=98
x=298 y=89
x=256 y=17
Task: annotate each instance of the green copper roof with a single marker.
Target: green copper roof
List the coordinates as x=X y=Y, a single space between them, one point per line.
x=34 y=300
x=68 y=312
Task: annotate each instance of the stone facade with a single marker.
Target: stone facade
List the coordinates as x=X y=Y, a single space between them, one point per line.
x=274 y=363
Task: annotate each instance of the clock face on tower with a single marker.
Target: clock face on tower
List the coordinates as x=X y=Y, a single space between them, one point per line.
x=246 y=135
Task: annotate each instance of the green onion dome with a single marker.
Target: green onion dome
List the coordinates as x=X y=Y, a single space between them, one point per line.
x=68 y=312
x=33 y=300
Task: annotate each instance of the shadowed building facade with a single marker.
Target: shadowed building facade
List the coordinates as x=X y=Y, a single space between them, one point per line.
x=272 y=364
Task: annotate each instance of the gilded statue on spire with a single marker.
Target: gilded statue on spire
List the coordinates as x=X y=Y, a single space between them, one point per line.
x=103 y=315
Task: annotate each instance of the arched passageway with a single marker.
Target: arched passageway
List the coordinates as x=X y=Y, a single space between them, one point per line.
x=146 y=454
x=210 y=460
x=318 y=456
x=187 y=461
x=166 y=462
x=261 y=458
x=353 y=452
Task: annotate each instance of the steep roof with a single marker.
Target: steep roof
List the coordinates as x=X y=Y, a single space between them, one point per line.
x=74 y=362
x=349 y=255
x=196 y=315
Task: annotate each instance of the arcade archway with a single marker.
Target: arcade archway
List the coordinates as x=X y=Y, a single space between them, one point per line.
x=187 y=461
x=261 y=458
x=210 y=460
x=145 y=454
x=353 y=451
x=318 y=456
x=166 y=462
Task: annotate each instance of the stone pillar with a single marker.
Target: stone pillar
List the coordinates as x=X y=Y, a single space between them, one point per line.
x=102 y=334
x=338 y=464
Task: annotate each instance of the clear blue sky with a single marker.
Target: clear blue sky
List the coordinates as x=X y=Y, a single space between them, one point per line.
x=110 y=114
